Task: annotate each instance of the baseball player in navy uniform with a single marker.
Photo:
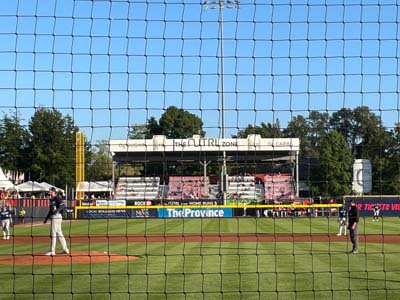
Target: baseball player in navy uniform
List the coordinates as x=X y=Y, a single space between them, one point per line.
x=377 y=210
x=5 y=215
x=55 y=215
x=342 y=220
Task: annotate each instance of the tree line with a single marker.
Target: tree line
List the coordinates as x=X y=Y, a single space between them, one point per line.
x=44 y=150
x=329 y=144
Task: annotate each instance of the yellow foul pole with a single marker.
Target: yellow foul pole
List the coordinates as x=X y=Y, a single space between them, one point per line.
x=80 y=163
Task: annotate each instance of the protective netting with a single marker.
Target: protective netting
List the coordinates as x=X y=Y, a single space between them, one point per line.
x=315 y=82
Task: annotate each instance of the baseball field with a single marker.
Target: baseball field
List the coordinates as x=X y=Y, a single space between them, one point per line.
x=236 y=258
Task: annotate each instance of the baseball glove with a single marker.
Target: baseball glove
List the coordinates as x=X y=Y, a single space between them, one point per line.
x=53 y=209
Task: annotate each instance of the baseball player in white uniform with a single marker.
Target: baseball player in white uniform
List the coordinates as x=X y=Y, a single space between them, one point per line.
x=342 y=220
x=55 y=215
x=5 y=215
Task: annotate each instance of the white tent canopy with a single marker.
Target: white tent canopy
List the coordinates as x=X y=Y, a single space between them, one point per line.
x=48 y=186
x=95 y=186
x=4 y=182
x=31 y=187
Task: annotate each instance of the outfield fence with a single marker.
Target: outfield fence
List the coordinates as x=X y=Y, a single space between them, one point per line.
x=206 y=211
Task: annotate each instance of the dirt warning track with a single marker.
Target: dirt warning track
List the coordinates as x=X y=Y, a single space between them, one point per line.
x=75 y=257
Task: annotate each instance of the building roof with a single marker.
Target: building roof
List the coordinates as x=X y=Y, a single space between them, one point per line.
x=160 y=149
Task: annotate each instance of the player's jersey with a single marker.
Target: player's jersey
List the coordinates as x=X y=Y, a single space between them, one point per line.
x=5 y=214
x=342 y=213
x=57 y=203
x=376 y=208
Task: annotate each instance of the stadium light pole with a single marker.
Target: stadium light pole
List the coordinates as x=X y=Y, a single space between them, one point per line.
x=220 y=5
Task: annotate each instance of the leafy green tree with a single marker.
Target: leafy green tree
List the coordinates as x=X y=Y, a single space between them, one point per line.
x=298 y=127
x=100 y=163
x=178 y=123
x=145 y=131
x=309 y=130
x=51 y=147
x=153 y=128
x=131 y=170
x=334 y=177
x=264 y=130
x=137 y=131
x=372 y=141
x=344 y=123
x=361 y=129
x=369 y=133
x=390 y=176
x=174 y=123
x=318 y=124
x=13 y=145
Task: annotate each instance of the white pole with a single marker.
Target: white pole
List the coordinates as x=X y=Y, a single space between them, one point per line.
x=221 y=4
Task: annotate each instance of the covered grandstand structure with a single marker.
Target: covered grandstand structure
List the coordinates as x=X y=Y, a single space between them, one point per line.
x=253 y=150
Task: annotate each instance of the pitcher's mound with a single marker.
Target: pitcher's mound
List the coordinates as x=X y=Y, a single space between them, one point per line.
x=75 y=257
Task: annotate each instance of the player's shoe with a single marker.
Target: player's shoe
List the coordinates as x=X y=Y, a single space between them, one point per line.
x=66 y=251
x=8 y=237
x=354 y=251
x=50 y=253
x=339 y=234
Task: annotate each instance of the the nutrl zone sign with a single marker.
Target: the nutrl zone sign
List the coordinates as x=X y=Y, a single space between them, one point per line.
x=194 y=212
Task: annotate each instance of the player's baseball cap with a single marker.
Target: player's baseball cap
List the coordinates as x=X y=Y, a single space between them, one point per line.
x=52 y=189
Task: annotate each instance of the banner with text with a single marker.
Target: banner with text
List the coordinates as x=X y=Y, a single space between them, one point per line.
x=194 y=212
x=123 y=213
x=389 y=205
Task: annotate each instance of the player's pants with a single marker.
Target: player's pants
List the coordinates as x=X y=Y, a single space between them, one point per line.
x=56 y=231
x=354 y=236
x=6 y=228
x=342 y=226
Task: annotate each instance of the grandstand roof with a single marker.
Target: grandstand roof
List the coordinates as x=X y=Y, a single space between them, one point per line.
x=161 y=149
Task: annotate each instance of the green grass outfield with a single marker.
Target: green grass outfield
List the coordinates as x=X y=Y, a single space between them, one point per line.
x=211 y=270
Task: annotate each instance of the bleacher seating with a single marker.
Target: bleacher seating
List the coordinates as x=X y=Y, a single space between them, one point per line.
x=188 y=187
x=275 y=187
x=244 y=187
x=278 y=186
x=138 y=188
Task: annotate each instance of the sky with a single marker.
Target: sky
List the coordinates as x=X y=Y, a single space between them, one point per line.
x=113 y=64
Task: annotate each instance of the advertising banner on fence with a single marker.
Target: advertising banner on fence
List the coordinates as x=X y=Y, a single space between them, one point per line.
x=105 y=214
x=389 y=205
x=187 y=212
x=193 y=202
x=123 y=213
x=102 y=202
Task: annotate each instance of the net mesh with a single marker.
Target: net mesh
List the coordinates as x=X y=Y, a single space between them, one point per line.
x=281 y=69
